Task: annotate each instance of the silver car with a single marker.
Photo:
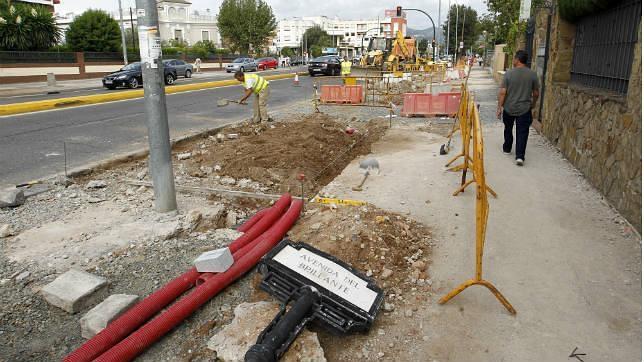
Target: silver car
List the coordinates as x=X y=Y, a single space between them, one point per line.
x=243 y=64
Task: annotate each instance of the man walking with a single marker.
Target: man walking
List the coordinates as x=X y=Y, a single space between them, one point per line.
x=255 y=84
x=517 y=96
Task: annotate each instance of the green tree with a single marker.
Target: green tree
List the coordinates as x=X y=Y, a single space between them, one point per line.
x=316 y=36
x=203 y=48
x=315 y=51
x=287 y=52
x=470 y=31
x=246 y=25
x=25 y=27
x=94 y=31
x=423 y=44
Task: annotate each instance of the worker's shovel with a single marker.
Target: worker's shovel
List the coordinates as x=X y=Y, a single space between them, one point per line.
x=319 y=289
x=225 y=102
x=370 y=164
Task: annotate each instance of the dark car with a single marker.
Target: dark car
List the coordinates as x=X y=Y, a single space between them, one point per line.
x=131 y=76
x=267 y=63
x=182 y=68
x=328 y=64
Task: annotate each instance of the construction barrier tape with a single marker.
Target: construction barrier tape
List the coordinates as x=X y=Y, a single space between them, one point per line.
x=327 y=200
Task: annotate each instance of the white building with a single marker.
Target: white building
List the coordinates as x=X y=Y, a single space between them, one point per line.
x=176 y=21
x=351 y=37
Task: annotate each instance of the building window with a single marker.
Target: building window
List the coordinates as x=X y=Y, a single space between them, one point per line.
x=178 y=34
x=205 y=35
x=604 y=47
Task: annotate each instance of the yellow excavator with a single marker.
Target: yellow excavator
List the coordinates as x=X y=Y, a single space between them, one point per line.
x=390 y=54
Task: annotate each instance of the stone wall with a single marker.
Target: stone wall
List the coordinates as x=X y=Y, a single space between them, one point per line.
x=598 y=131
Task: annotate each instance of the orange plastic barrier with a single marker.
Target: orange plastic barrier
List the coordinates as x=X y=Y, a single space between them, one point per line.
x=351 y=94
x=430 y=105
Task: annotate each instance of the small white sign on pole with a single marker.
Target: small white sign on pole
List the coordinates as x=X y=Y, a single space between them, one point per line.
x=524 y=13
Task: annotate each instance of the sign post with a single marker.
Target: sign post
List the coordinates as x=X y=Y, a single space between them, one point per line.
x=160 y=163
x=524 y=12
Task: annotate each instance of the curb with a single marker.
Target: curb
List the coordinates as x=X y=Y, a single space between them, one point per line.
x=137 y=154
x=26 y=107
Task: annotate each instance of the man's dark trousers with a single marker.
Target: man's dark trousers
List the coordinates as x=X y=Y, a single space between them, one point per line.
x=523 y=129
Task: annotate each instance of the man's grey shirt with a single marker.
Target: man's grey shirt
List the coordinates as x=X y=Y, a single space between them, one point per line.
x=519 y=84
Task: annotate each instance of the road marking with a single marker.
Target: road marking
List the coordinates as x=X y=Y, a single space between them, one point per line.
x=35 y=106
x=120 y=100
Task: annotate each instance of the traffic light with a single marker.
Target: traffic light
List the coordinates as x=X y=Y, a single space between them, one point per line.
x=399 y=11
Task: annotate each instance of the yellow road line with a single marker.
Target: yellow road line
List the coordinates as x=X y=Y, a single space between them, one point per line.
x=58 y=103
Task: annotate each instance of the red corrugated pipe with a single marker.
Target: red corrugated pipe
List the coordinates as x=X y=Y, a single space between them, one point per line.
x=140 y=340
x=151 y=305
x=252 y=221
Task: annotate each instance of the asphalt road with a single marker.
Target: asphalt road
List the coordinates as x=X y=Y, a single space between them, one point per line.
x=31 y=145
x=94 y=86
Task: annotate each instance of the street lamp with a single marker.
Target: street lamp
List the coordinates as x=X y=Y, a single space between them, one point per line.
x=485 y=44
x=399 y=11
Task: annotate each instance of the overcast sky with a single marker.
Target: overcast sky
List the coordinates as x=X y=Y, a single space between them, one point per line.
x=356 y=9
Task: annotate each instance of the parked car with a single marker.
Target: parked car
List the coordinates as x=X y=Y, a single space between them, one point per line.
x=243 y=64
x=267 y=63
x=328 y=64
x=131 y=76
x=182 y=68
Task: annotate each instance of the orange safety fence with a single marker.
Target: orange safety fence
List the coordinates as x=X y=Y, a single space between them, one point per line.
x=430 y=105
x=351 y=94
x=482 y=212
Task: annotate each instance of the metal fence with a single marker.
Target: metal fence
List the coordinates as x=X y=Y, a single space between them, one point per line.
x=101 y=57
x=604 y=47
x=13 y=57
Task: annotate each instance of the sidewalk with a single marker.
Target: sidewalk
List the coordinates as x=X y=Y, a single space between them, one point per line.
x=567 y=261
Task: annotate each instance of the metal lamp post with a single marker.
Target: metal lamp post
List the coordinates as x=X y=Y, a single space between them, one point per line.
x=433 y=27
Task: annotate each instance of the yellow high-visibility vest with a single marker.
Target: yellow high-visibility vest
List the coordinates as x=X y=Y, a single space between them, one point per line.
x=260 y=83
x=346 y=67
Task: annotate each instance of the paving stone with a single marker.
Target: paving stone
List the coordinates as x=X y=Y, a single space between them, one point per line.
x=12 y=198
x=214 y=261
x=75 y=290
x=103 y=314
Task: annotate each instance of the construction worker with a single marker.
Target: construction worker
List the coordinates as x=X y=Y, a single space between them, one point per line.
x=345 y=67
x=257 y=85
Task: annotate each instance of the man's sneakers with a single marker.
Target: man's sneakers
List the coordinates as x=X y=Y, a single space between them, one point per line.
x=519 y=162
x=507 y=153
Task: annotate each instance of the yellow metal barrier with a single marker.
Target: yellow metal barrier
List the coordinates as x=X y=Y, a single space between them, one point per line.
x=482 y=212
x=465 y=120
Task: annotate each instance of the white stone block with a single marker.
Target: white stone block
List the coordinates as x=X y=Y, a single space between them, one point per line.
x=214 y=261
x=75 y=290
x=103 y=314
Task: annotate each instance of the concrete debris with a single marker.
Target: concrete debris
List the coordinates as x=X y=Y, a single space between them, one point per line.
x=12 y=198
x=184 y=156
x=232 y=342
x=62 y=181
x=231 y=219
x=108 y=310
x=386 y=273
x=192 y=219
x=225 y=236
x=75 y=290
x=316 y=226
x=95 y=200
x=227 y=180
x=232 y=136
x=96 y=184
x=22 y=276
x=6 y=230
x=388 y=307
x=141 y=175
x=419 y=265
x=214 y=261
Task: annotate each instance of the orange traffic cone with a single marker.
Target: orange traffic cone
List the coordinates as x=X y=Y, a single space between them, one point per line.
x=296 y=80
